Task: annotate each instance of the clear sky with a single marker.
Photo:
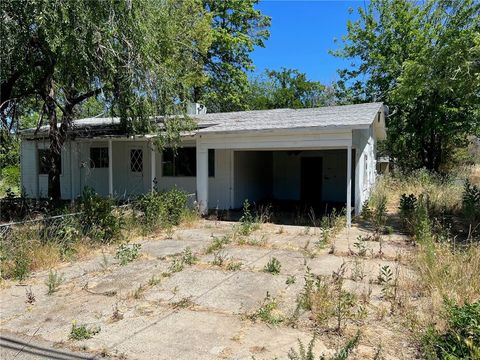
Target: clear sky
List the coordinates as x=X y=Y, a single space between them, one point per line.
x=301 y=34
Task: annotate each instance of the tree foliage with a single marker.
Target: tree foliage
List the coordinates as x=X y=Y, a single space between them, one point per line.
x=237 y=29
x=422 y=60
x=139 y=56
x=288 y=88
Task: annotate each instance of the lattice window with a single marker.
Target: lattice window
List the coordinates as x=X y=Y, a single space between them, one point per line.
x=136 y=160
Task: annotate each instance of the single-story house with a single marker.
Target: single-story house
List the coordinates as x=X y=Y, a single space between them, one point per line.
x=325 y=154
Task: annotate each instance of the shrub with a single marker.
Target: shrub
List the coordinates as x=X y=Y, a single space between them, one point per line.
x=163 y=209
x=460 y=339
x=126 y=254
x=97 y=218
x=307 y=353
x=407 y=207
x=273 y=266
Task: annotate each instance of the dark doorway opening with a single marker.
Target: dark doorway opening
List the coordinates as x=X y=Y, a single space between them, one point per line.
x=311 y=175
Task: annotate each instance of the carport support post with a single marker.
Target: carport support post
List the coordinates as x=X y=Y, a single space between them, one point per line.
x=152 y=168
x=349 y=186
x=110 y=168
x=202 y=179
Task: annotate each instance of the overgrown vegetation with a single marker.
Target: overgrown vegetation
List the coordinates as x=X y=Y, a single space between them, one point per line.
x=440 y=213
x=94 y=221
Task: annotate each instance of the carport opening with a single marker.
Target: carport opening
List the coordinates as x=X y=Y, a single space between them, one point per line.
x=292 y=184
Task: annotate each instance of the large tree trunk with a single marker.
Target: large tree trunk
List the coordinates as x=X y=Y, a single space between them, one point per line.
x=56 y=143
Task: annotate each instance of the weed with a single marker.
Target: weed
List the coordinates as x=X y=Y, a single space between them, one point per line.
x=177 y=265
x=154 y=281
x=138 y=293
x=218 y=243
x=273 y=266
x=82 y=332
x=126 y=254
x=360 y=247
x=183 y=303
x=219 y=258
x=185 y=258
x=268 y=311
x=290 y=280
x=248 y=223
x=53 y=282
x=116 y=314
x=104 y=263
x=188 y=257
x=326 y=299
x=461 y=337
x=306 y=353
x=234 y=265
x=30 y=296
x=358 y=270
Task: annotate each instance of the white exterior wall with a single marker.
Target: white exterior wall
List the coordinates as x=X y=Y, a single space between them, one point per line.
x=365 y=174
x=36 y=185
x=222 y=192
x=287 y=174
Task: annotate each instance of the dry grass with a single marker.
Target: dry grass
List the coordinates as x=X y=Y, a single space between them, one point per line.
x=45 y=256
x=442 y=192
x=449 y=274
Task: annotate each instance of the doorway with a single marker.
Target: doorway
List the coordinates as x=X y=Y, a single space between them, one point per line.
x=311 y=178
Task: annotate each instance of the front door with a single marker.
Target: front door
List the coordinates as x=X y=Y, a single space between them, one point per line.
x=136 y=170
x=311 y=180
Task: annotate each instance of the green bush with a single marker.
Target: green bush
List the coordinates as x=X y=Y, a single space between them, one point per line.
x=97 y=218
x=9 y=179
x=471 y=203
x=461 y=338
x=163 y=209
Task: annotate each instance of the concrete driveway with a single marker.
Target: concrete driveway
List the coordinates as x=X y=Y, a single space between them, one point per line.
x=149 y=310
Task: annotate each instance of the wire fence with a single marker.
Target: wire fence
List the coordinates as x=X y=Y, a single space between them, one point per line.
x=64 y=227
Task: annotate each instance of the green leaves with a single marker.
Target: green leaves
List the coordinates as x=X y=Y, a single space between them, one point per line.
x=422 y=60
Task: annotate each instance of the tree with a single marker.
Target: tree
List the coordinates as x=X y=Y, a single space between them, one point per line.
x=139 y=55
x=237 y=28
x=287 y=88
x=422 y=60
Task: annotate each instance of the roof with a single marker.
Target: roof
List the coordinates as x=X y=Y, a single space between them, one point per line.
x=355 y=116
x=358 y=116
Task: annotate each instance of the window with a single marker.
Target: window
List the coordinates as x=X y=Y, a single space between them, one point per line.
x=136 y=160
x=44 y=162
x=99 y=157
x=211 y=162
x=183 y=163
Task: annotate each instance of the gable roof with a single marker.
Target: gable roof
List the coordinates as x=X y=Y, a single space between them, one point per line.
x=358 y=116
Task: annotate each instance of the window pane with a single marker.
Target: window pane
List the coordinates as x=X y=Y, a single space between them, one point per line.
x=211 y=162
x=99 y=157
x=136 y=160
x=167 y=162
x=186 y=162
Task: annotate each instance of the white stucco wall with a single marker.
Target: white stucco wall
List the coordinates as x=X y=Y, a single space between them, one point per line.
x=253 y=176
x=287 y=174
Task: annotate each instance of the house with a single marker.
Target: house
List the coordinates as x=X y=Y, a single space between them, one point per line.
x=322 y=154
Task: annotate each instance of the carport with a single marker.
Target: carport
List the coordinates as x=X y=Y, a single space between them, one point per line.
x=310 y=155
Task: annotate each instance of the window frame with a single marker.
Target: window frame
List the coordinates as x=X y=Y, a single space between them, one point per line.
x=101 y=159
x=141 y=163
x=174 y=161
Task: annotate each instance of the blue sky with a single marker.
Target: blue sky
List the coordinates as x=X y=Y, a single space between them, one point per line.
x=301 y=34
